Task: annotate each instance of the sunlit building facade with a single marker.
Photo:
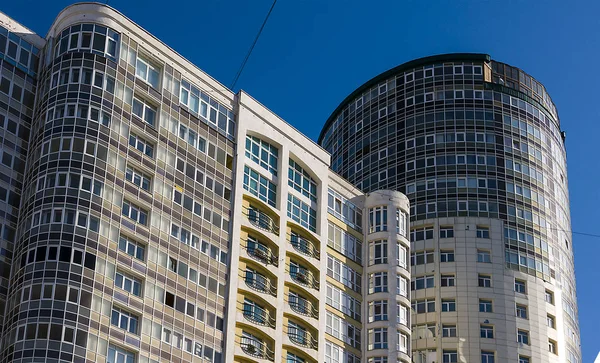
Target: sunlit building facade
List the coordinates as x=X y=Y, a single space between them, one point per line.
x=152 y=215
x=476 y=146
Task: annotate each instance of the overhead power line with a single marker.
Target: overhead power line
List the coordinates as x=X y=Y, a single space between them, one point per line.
x=239 y=73
x=586 y=234
x=575 y=232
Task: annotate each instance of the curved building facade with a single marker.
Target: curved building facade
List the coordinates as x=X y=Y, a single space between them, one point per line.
x=149 y=214
x=476 y=146
x=121 y=249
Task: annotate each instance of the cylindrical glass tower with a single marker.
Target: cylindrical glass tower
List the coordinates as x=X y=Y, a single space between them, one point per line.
x=476 y=146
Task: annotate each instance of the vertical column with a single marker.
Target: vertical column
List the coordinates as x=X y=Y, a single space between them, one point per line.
x=387 y=276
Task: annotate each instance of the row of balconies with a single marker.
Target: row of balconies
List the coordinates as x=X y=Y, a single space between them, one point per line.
x=263 y=221
x=259 y=271
x=256 y=345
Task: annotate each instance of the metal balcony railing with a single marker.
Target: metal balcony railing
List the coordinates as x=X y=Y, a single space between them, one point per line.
x=256 y=348
x=302 y=338
x=261 y=220
x=261 y=252
x=259 y=283
x=304 y=277
x=304 y=246
x=257 y=315
x=303 y=307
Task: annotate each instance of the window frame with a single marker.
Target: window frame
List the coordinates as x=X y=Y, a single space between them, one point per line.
x=151 y=68
x=149 y=112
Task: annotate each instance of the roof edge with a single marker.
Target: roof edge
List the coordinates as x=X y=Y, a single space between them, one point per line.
x=402 y=67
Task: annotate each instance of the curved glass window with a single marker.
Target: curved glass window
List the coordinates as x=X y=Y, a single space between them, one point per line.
x=94 y=38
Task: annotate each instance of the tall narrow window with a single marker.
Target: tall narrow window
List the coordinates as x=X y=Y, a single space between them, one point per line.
x=147 y=71
x=378 y=219
x=144 y=111
x=378 y=252
x=300 y=180
x=259 y=186
x=262 y=153
x=401 y=221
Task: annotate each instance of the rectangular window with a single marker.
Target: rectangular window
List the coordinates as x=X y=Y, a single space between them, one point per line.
x=378 y=219
x=549 y=297
x=520 y=286
x=446 y=232
x=448 y=305
x=401 y=222
x=448 y=280
x=128 y=283
x=144 y=111
x=402 y=255
x=341 y=272
x=211 y=112
x=378 y=338
x=119 y=355
x=401 y=286
x=552 y=346
x=448 y=330
x=141 y=145
x=134 y=212
x=344 y=210
x=259 y=186
x=449 y=356
x=483 y=232
x=551 y=321
x=344 y=242
x=132 y=248
x=421 y=257
x=378 y=282
x=300 y=180
x=420 y=234
x=147 y=72
x=262 y=153
x=485 y=306
x=343 y=302
x=422 y=282
x=403 y=314
x=378 y=252
x=484 y=256
x=124 y=320
x=486 y=331
x=423 y=306
x=487 y=357
x=302 y=213
x=521 y=311
x=378 y=310
x=523 y=336
x=137 y=178
x=446 y=256
x=484 y=280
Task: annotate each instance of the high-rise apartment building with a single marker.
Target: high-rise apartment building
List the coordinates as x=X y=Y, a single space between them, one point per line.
x=149 y=214
x=476 y=146
x=19 y=58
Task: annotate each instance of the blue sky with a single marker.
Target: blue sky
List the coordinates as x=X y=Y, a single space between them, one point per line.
x=313 y=53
